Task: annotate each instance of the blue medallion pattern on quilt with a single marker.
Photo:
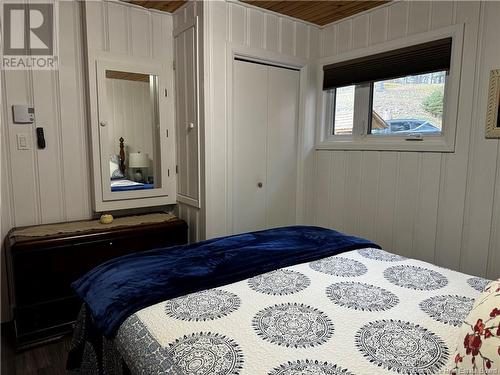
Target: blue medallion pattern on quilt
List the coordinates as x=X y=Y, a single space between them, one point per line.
x=381 y=255
x=206 y=354
x=339 y=266
x=478 y=283
x=361 y=296
x=447 y=309
x=279 y=282
x=142 y=351
x=309 y=367
x=205 y=305
x=413 y=277
x=402 y=347
x=293 y=325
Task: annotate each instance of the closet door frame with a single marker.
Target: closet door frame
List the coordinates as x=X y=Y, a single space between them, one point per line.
x=237 y=51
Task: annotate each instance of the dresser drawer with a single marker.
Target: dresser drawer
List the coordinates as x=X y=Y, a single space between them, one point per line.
x=47 y=273
x=43 y=319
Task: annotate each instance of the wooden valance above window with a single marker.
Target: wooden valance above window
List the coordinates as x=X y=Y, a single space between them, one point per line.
x=417 y=59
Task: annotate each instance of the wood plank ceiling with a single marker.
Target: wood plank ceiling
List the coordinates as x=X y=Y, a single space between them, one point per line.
x=317 y=12
x=166 y=6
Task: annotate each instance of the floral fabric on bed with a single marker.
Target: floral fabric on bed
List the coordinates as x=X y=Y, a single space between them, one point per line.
x=478 y=349
x=361 y=312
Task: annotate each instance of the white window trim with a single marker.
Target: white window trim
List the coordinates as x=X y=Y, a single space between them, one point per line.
x=325 y=140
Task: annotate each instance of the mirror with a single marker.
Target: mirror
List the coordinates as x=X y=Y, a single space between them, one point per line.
x=131 y=131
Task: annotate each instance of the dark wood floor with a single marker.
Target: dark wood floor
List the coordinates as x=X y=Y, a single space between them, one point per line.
x=48 y=359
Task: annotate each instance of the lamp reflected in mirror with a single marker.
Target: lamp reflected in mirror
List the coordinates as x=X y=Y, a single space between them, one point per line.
x=138 y=163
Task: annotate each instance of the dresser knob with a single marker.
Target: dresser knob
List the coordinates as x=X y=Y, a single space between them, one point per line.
x=259 y=185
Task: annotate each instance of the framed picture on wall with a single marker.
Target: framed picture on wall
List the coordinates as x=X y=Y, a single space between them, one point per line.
x=493 y=111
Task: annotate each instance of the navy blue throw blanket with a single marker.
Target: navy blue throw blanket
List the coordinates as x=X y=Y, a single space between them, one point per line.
x=120 y=287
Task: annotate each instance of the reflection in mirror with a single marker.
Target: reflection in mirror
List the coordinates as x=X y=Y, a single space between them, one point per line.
x=133 y=130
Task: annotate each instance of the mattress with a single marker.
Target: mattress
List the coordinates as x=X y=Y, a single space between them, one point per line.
x=361 y=312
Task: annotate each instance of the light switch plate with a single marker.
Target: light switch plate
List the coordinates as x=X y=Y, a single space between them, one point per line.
x=23 y=141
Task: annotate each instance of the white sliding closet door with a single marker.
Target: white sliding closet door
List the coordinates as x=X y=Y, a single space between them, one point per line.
x=264 y=146
x=249 y=146
x=283 y=99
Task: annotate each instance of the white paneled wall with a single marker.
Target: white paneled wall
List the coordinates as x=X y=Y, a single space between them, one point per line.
x=50 y=185
x=439 y=207
x=121 y=31
x=54 y=184
x=130 y=116
x=233 y=24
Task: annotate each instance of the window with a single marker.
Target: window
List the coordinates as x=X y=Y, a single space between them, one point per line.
x=343 y=116
x=399 y=107
x=382 y=101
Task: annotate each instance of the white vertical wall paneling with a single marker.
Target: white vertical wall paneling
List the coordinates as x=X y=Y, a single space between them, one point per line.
x=272 y=32
x=369 y=194
x=305 y=176
x=219 y=21
x=22 y=163
x=302 y=36
x=74 y=150
x=378 y=25
x=454 y=166
x=397 y=20
x=117 y=27
x=50 y=185
x=130 y=103
x=126 y=30
x=442 y=208
x=479 y=217
x=329 y=41
x=406 y=202
x=48 y=159
x=256 y=24
x=442 y=14
x=492 y=56
x=354 y=161
x=419 y=17
x=287 y=36
x=386 y=200
x=238 y=24
x=494 y=248
x=336 y=172
x=360 y=31
x=323 y=177
x=425 y=224
x=140 y=32
x=344 y=37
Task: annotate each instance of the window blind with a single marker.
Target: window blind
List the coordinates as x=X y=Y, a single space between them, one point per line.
x=417 y=59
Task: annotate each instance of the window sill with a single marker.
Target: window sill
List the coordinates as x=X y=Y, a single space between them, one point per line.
x=347 y=143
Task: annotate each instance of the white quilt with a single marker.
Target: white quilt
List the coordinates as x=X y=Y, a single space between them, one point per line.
x=361 y=312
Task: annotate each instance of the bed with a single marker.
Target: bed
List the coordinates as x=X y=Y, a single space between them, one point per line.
x=117 y=173
x=129 y=185
x=360 y=311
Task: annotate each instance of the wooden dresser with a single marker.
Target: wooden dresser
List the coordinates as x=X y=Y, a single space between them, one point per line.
x=43 y=261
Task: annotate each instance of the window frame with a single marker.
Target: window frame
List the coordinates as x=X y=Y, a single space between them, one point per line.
x=444 y=142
